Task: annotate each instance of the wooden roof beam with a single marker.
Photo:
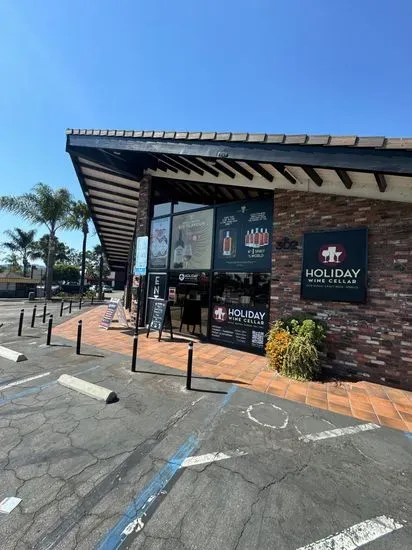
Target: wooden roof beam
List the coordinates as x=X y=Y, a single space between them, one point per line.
x=239 y=169
x=260 y=170
x=224 y=170
x=282 y=170
x=345 y=178
x=203 y=166
x=313 y=175
x=381 y=181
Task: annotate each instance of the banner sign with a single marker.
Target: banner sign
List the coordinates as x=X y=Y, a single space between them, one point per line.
x=335 y=265
x=141 y=255
x=159 y=243
x=243 y=236
x=192 y=240
x=113 y=307
x=242 y=326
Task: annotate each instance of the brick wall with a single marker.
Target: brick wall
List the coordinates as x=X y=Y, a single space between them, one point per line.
x=372 y=341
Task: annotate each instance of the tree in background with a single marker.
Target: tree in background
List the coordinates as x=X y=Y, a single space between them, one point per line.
x=21 y=244
x=97 y=267
x=73 y=256
x=66 y=273
x=79 y=219
x=43 y=206
x=41 y=250
x=12 y=263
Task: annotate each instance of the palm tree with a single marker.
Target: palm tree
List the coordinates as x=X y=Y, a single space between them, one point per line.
x=79 y=219
x=22 y=244
x=43 y=206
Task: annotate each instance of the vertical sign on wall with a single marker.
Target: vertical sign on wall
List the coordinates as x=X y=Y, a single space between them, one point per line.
x=141 y=255
x=335 y=265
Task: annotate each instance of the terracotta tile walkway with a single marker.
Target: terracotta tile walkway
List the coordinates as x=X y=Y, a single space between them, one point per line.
x=362 y=400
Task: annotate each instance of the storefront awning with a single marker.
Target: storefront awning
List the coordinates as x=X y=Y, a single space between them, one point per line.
x=110 y=164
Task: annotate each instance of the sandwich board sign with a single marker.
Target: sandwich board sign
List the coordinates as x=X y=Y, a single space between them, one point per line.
x=113 y=307
x=160 y=317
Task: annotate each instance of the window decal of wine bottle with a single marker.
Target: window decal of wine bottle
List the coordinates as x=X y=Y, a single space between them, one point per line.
x=227 y=245
x=257 y=238
x=178 y=251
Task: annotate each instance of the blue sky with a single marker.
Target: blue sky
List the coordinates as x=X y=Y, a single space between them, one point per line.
x=290 y=66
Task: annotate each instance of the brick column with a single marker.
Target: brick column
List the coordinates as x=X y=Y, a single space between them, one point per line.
x=142 y=229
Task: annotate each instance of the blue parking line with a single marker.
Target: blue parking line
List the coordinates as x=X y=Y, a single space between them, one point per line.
x=36 y=389
x=133 y=514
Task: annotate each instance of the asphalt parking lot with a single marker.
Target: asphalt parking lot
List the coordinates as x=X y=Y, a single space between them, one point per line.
x=220 y=467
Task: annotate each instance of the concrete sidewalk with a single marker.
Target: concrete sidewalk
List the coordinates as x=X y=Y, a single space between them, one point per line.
x=363 y=400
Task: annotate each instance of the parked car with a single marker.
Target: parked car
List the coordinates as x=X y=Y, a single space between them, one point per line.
x=107 y=288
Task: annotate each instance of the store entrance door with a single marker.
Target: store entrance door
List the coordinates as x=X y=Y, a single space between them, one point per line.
x=189 y=296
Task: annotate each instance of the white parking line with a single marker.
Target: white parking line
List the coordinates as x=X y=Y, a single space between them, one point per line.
x=338 y=432
x=210 y=457
x=23 y=380
x=357 y=535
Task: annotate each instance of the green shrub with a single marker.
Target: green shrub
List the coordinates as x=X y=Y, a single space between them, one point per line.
x=315 y=331
x=276 y=346
x=293 y=347
x=301 y=359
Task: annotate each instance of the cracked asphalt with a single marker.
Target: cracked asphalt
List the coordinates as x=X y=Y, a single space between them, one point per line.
x=78 y=464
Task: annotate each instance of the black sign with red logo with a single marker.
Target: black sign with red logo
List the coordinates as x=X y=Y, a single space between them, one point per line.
x=335 y=265
x=241 y=326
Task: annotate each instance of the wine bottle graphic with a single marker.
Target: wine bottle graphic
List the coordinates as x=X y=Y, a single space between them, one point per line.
x=178 y=252
x=227 y=245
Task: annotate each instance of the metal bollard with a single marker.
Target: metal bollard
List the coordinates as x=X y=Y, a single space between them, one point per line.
x=44 y=313
x=134 y=356
x=79 y=337
x=80 y=303
x=189 y=366
x=49 y=330
x=92 y=298
x=70 y=306
x=20 y=322
x=61 y=308
x=33 y=317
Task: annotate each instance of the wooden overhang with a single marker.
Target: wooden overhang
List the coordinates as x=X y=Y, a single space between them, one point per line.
x=208 y=167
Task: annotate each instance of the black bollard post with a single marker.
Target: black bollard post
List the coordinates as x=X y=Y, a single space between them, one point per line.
x=134 y=353
x=189 y=366
x=92 y=298
x=44 y=313
x=33 y=317
x=80 y=302
x=49 y=330
x=79 y=337
x=70 y=306
x=61 y=308
x=20 y=322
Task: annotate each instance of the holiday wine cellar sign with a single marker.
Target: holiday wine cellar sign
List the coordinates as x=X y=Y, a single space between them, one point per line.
x=335 y=265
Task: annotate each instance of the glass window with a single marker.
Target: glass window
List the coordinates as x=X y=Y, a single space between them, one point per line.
x=162 y=209
x=159 y=243
x=186 y=206
x=192 y=240
x=245 y=289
